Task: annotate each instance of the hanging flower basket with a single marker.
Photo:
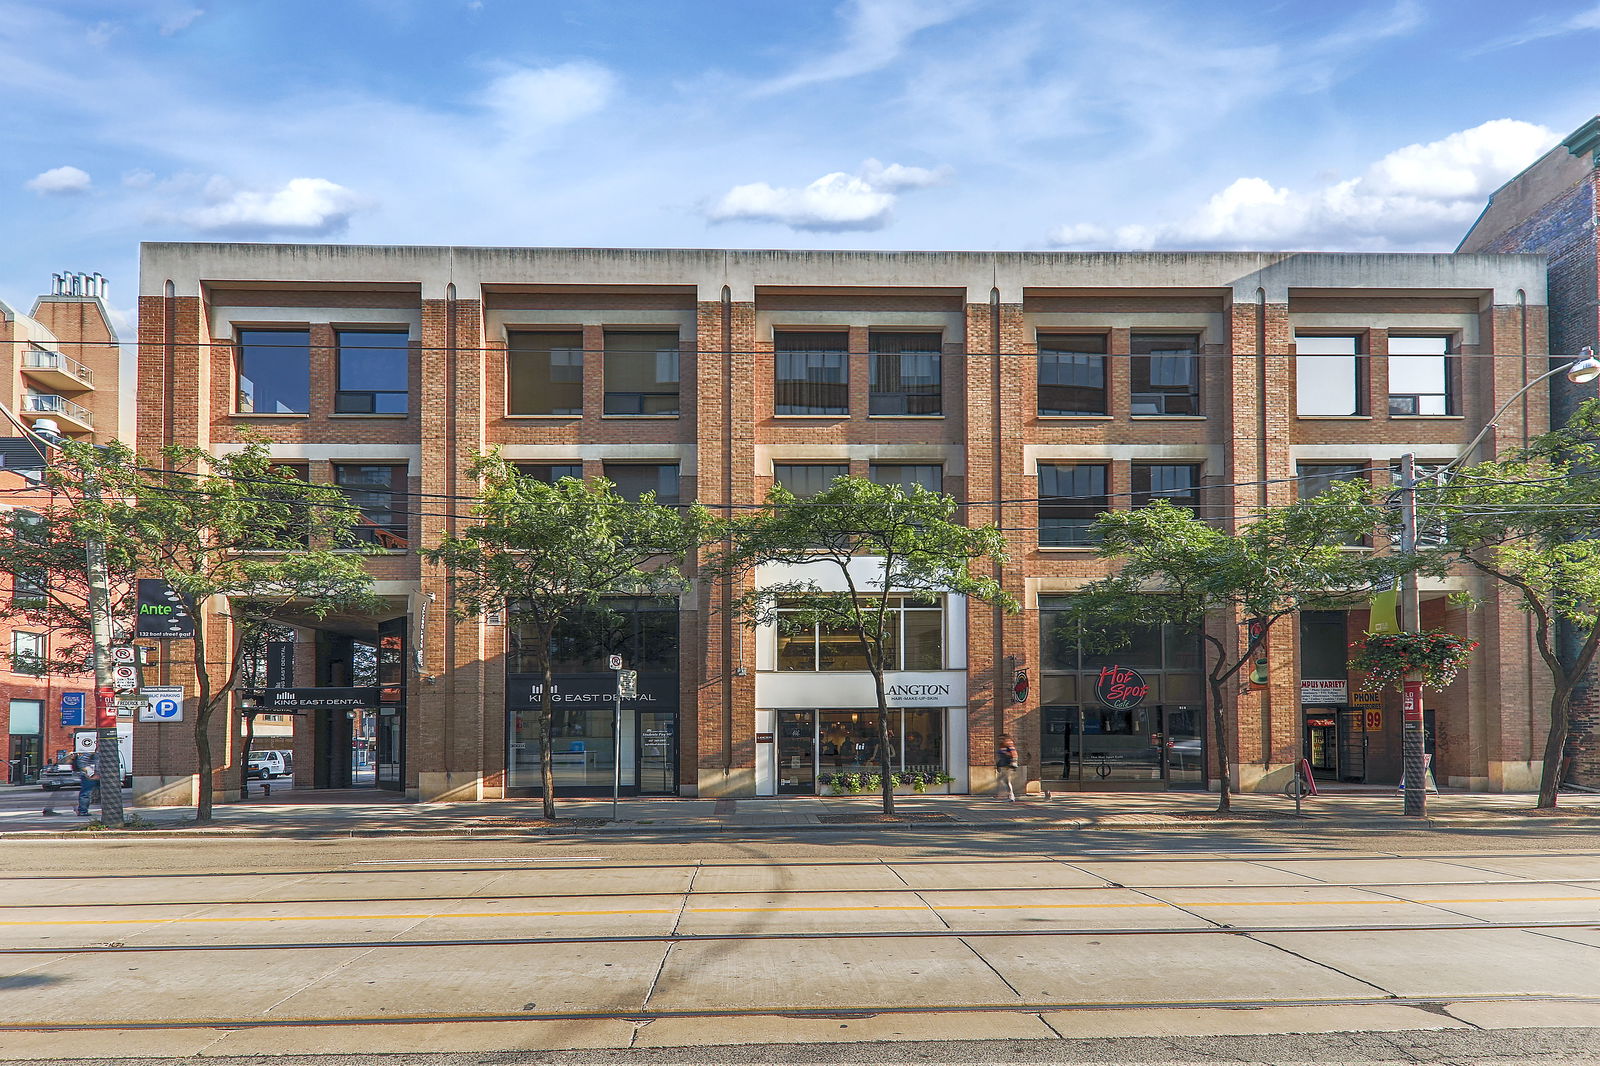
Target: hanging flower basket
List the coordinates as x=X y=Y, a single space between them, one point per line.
x=1386 y=658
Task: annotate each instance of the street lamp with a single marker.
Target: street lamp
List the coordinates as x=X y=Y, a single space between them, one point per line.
x=1580 y=371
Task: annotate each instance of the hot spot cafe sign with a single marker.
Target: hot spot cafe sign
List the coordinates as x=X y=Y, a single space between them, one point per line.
x=1120 y=688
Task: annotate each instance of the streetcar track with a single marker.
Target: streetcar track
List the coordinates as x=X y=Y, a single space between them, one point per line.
x=1430 y=1003
x=800 y=934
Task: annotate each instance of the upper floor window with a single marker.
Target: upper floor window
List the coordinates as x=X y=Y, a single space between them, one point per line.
x=633 y=480
x=290 y=520
x=1317 y=478
x=273 y=371
x=1072 y=374
x=550 y=473
x=913 y=639
x=904 y=374
x=544 y=373
x=1419 y=376
x=808 y=479
x=644 y=631
x=374 y=491
x=27 y=652
x=1071 y=496
x=1327 y=374
x=909 y=475
x=1177 y=482
x=374 y=372
x=641 y=373
x=1165 y=374
x=812 y=373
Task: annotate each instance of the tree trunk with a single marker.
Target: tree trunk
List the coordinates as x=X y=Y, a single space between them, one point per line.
x=883 y=743
x=244 y=754
x=547 y=771
x=1555 y=745
x=202 y=722
x=1219 y=731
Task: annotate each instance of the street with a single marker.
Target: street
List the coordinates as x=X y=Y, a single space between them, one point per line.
x=586 y=943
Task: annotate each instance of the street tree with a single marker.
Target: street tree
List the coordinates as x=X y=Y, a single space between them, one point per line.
x=234 y=535
x=1185 y=571
x=549 y=553
x=1528 y=521
x=850 y=552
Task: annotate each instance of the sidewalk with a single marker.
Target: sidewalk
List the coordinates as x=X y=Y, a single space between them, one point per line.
x=314 y=814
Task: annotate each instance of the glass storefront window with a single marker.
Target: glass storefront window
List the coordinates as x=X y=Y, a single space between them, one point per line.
x=581 y=747
x=924 y=740
x=642 y=630
x=913 y=640
x=846 y=742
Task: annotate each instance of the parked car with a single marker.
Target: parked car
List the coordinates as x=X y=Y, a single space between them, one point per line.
x=268 y=764
x=57 y=776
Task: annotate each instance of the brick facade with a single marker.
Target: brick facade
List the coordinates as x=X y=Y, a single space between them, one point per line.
x=461 y=305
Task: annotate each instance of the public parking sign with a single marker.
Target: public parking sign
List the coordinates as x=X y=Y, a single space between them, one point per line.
x=166 y=704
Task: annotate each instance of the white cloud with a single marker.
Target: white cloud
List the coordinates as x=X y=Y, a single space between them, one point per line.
x=528 y=101
x=1545 y=27
x=875 y=35
x=837 y=201
x=59 y=181
x=179 y=21
x=307 y=207
x=1422 y=196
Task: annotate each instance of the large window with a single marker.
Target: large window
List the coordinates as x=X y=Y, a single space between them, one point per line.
x=273 y=372
x=1419 y=376
x=544 y=373
x=1071 y=495
x=1317 y=478
x=377 y=492
x=633 y=480
x=550 y=473
x=641 y=373
x=909 y=475
x=812 y=373
x=1177 y=482
x=1072 y=374
x=27 y=652
x=1165 y=372
x=905 y=374
x=292 y=520
x=1327 y=374
x=643 y=630
x=373 y=372
x=808 y=479
x=913 y=639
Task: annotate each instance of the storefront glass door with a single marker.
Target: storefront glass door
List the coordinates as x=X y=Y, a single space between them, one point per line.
x=658 y=753
x=1096 y=747
x=797 y=753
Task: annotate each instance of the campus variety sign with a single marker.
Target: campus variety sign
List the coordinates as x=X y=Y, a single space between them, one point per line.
x=1323 y=693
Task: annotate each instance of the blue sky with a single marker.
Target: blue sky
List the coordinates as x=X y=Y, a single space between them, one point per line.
x=1376 y=124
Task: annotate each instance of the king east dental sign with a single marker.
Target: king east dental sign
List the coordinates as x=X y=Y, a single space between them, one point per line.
x=933 y=688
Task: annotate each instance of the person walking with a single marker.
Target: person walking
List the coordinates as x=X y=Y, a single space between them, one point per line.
x=84 y=764
x=1005 y=764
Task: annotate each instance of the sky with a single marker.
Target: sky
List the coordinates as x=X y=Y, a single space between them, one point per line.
x=892 y=124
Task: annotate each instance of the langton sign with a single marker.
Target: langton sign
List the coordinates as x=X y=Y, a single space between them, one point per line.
x=1120 y=688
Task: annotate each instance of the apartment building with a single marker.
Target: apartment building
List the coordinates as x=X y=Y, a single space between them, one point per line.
x=1040 y=388
x=1550 y=209
x=61 y=363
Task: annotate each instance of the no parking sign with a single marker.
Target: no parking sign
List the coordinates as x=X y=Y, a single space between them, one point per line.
x=166 y=704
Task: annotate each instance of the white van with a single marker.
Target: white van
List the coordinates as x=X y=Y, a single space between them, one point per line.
x=269 y=764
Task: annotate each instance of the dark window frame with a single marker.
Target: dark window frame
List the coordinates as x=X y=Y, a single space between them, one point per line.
x=806 y=363
x=1064 y=518
x=1448 y=360
x=275 y=350
x=675 y=500
x=1361 y=368
x=819 y=472
x=1143 y=490
x=349 y=401
x=641 y=399
x=549 y=476
x=516 y=337
x=393 y=535
x=1061 y=360
x=873 y=470
x=1144 y=370
x=922 y=400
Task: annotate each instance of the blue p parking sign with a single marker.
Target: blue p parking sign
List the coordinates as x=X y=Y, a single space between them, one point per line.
x=165 y=704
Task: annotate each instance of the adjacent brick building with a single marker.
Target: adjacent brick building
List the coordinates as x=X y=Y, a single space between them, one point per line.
x=61 y=362
x=1550 y=209
x=1040 y=388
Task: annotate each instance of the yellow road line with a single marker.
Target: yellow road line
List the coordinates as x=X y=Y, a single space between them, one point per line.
x=243 y=919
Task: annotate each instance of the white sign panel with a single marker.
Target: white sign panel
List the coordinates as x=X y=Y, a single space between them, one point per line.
x=165 y=704
x=921 y=688
x=1323 y=693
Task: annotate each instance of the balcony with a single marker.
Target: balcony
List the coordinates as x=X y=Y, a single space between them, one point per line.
x=75 y=415
x=56 y=370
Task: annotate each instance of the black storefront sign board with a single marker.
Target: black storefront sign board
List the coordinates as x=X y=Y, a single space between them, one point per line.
x=276 y=700
x=161 y=613
x=657 y=692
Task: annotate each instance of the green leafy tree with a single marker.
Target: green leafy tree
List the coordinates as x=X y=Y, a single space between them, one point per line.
x=922 y=551
x=551 y=553
x=1182 y=570
x=1529 y=522
x=232 y=534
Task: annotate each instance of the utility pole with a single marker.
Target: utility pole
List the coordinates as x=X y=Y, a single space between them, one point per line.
x=1414 y=771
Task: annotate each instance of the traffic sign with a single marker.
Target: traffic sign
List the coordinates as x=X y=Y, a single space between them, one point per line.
x=165 y=704
x=628 y=684
x=614 y=662
x=124 y=653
